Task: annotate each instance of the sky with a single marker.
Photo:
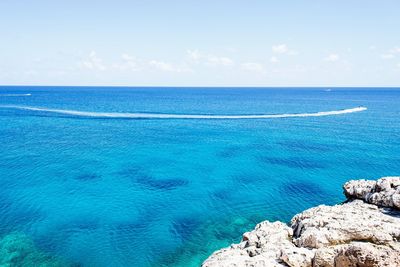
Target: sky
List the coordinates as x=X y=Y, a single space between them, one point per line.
x=200 y=43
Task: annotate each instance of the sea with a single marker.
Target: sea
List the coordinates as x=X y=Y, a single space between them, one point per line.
x=164 y=176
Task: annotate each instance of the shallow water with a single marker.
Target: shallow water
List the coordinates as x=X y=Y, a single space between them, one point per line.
x=148 y=192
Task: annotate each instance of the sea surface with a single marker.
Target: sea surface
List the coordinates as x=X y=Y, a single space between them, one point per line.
x=102 y=176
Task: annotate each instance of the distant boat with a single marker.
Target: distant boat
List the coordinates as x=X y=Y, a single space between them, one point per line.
x=328 y=90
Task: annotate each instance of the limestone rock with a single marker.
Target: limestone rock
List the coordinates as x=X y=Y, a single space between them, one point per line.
x=331 y=225
x=266 y=245
x=368 y=255
x=351 y=234
x=384 y=192
x=297 y=257
x=357 y=254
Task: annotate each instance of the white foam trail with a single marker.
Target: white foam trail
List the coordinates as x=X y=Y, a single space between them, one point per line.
x=15 y=94
x=182 y=116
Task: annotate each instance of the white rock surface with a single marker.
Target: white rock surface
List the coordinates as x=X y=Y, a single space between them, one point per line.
x=384 y=192
x=356 y=254
x=351 y=234
x=269 y=244
x=332 y=225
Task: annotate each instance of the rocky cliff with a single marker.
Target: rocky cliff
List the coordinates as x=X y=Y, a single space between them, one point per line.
x=364 y=231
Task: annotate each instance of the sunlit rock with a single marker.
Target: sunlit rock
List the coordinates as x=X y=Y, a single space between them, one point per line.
x=355 y=233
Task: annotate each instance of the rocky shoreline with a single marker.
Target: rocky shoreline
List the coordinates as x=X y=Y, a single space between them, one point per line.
x=363 y=231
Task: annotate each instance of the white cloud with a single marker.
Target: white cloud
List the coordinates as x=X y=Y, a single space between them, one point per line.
x=131 y=63
x=210 y=60
x=332 y=57
x=168 y=67
x=161 y=65
x=254 y=67
x=224 y=61
x=93 y=62
x=387 y=56
x=372 y=47
x=128 y=63
x=127 y=57
x=283 y=49
x=280 y=49
x=274 y=60
x=391 y=53
x=395 y=50
x=194 y=55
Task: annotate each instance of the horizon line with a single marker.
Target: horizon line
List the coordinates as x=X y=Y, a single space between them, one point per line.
x=208 y=86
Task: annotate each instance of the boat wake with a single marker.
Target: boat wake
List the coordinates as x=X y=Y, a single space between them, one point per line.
x=15 y=95
x=115 y=115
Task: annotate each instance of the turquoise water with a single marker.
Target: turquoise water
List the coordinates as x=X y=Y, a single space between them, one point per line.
x=108 y=191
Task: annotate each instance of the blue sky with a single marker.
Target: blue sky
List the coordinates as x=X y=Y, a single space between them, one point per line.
x=200 y=43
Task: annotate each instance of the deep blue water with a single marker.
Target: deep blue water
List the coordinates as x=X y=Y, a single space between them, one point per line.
x=154 y=192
